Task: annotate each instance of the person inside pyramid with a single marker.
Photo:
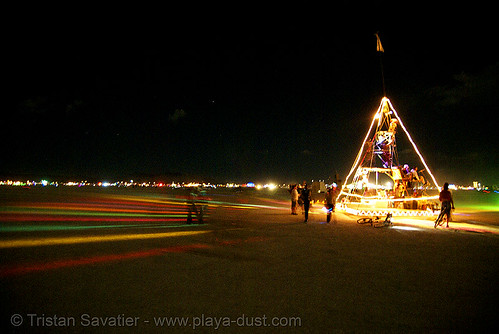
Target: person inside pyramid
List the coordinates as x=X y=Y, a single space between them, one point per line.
x=393 y=126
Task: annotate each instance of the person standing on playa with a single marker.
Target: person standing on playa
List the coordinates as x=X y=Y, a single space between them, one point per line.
x=447 y=203
x=192 y=207
x=294 y=200
x=306 y=197
x=330 y=202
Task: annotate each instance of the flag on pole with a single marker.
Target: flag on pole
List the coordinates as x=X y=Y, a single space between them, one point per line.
x=379 y=47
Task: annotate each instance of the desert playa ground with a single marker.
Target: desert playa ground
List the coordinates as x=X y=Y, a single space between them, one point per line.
x=105 y=260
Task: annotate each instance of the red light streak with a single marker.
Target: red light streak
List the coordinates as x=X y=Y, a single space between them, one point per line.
x=24 y=218
x=102 y=209
x=98 y=209
x=25 y=269
x=21 y=269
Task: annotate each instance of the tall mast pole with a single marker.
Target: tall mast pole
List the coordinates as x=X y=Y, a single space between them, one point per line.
x=382 y=73
x=380 y=50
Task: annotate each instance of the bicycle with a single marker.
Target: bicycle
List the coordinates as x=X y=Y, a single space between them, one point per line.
x=377 y=222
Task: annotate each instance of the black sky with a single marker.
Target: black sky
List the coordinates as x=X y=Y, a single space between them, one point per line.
x=244 y=98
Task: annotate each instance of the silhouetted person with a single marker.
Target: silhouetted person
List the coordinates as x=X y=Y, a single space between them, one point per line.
x=330 y=202
x=197 y=210
x=447 y=203
x=294 y=200
x=306 y=197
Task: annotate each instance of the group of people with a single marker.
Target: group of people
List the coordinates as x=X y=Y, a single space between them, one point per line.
x=412 y=180
x=301 y=196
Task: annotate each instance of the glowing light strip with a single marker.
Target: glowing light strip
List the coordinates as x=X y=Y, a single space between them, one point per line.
x=198 y=202
x=372 y=198
x=156 y=202
x=361 y=150
x=36 y=228
x=245 y=206
x=412 y=142
x=32 y=218
x=453 y=226
x=93 y=209
x=94 y=214
x=384 y=212
x=103 y=238
x=111 y=204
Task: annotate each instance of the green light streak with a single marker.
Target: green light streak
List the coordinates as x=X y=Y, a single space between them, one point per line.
x=38 y=228
x=43 y=211
x=245 y=205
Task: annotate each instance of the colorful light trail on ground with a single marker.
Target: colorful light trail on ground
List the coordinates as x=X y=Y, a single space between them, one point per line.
x=21 y=269
x=102 y=212
x=114 y=208
x=453 y=226
x=39 y=227
x=48 y=241
x=30 y=221
x=16 y=269
x=109 y=208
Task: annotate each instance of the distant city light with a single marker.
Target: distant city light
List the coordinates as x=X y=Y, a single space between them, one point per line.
x=176 y=185
x=271 y=186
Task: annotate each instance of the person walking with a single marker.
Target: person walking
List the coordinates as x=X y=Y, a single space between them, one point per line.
x=294 y=200
x=330 y=202
x=447 y=203
x=194 y=195
x=306 y=197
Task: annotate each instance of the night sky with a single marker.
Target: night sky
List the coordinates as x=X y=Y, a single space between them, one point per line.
x=256 y=98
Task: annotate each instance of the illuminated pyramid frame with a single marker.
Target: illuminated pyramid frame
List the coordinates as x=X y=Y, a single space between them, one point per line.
x=378 y=157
